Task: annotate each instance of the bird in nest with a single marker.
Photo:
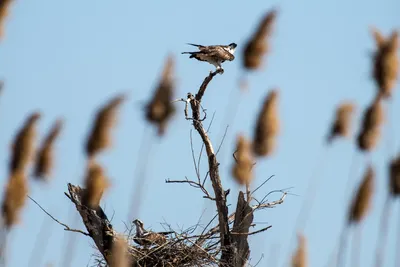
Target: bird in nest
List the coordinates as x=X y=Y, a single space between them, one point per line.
x=148 y=238
x=214 y=54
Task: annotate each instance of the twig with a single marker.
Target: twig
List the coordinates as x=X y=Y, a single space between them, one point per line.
x=66 y=227
x=193 y=184
x=253 y=233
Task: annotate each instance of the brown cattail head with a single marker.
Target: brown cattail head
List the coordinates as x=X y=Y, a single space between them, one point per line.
x=100 y=136
x=267 y=127
x=160 y=109
x=120 y=256
x=24 y=145
x=44 y=158
x=341 y=126
x=95 y=184
x=363 y=198
x=386 y=62
x=258 y=45
x=299 y=259
x=242 y=168
x=369 y=135
x=394 y=172
x=14 y=198
x=4 y=8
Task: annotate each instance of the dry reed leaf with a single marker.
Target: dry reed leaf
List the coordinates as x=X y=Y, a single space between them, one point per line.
x=299 y=259
x=119 y=255
x=386 y=62
x=258 y=46
x=373 y=118
x=242 y=168
x=4 y=8
x=362 y=200
x=342 y=123
x=267 y=127
x=100 y=136
x=160 y=109
x=23 y=145
x=95 y=185
x=14 y=198
x=394 y=172
x=44 y=158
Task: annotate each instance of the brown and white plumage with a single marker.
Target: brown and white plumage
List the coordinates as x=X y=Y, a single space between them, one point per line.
x=213 y=54
x=147 y=238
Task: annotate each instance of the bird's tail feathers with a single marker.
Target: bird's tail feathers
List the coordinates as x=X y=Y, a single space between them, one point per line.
x=194 y=44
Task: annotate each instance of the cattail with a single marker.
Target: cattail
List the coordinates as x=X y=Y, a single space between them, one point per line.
x=394 y=172
x=14 y=198
x=95 y=184
x=362 y=200
x=44 y=158
x=299 y=259
x=242 y=168
x=267 y=127
x=386 y=62
x=100 y=136
x=370 y=130
x=4 y=8
x=119 y=254
x=23 y=146
x=258 y=46
x=342 y=123
x=160 y=109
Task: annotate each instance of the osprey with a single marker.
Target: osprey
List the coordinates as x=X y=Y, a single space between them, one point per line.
x=147 y=238
x=214 y=54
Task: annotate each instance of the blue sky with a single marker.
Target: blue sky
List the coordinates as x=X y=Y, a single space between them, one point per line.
x=69 y=58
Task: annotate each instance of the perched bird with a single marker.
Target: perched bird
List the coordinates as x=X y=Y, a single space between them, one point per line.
x=147 y=238
x=214 y=54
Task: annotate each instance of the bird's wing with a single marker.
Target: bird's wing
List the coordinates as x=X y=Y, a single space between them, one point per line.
x=200 y=47
x=218 y=52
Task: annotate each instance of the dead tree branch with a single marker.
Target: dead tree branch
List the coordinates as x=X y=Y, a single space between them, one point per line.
x=66 y=227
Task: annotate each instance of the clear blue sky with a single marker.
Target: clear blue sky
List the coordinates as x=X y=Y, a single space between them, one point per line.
x=68 y=58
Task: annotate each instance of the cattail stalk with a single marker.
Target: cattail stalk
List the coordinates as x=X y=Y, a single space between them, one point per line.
x=119 y=254
x=160 y=109
x=95 y=185
x=44 y=159
x=4 y=9
x=299 y=259
x=99 y=138
x=267 y=127
x=385 y=62
x=341 y=126
x=258 y=45
x=242 y=168
x=370 y=132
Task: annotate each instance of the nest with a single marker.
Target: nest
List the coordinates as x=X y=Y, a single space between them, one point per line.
x=182 y=248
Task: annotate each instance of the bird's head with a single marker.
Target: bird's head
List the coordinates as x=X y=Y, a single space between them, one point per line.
x=138 y=223
x=232 y=47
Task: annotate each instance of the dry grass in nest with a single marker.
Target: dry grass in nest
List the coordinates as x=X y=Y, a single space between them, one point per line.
x=44 y=158
x=341 y=126
x=160 y=109
x=100 y=136
x=14 y=198
x=95 y=184
x=370 y=130
x=394 y=172
x=24 y=145
x=299 y=259
x=242 y=168
x=386 y=62
x=267 y=127
x=4 y=8
x=258 y=45
x=363 y=198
